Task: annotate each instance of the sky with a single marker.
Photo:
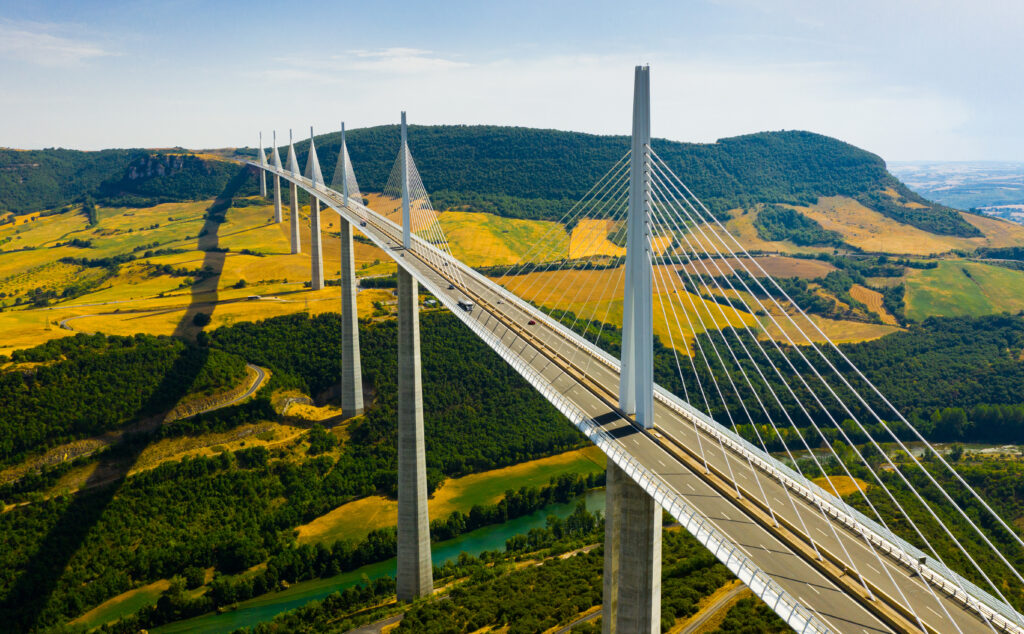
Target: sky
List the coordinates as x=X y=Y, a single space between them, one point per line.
x=906 y=79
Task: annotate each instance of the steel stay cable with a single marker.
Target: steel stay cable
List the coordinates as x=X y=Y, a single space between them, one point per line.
x=560 y=224
x=616 y=188
x=595 y=238
x=604 y=204
x=659 y=213
x=789 y=418
x=842 y=355
x=814 y=424
x=617 y=195
x=819 y=431
x=845 y=407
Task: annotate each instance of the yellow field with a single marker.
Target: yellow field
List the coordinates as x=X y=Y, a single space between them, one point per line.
x=590 y=237
x=136 y=300
x=355 y=519
x=839 y=331
x=33 y=231
x=844 y=485
x=998 y=232
x=485 y=239
x=873 y=300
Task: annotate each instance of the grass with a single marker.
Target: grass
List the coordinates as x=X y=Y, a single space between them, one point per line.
x=355 y=519
x=122 y=605
x=959 y=287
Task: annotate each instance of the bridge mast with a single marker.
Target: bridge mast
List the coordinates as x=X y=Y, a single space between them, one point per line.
x=636 y=386
x=632 y=547
x=263 y=173
x=278 y=218
x=293 y=193
x=406 y=222
x=315 y=245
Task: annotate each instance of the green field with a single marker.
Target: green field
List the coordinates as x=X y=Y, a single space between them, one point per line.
x=122 y=605
x=963 y=288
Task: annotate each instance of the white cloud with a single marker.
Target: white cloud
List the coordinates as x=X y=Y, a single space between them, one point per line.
x=43 y=45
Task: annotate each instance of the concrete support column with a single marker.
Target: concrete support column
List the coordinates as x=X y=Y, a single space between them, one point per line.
x=293 y=192
x=351 y=372
x=632 y=558
x=263 y=184
x=415 y=577
x=315 y=252
x=278 y=216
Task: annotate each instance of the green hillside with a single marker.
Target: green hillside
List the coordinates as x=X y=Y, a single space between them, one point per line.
x=514 y=172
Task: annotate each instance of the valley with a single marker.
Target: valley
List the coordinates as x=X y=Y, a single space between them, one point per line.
x=277 y=501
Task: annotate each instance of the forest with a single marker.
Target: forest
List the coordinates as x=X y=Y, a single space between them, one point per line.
x=776 y=223
x=84 y=385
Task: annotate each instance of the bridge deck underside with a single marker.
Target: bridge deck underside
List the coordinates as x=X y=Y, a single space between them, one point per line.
x=540 y=346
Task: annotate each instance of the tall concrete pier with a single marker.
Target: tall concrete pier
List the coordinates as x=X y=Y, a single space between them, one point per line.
x=316 y=257
x=632 y=558
x=414 y=568
x=263 y=173
x=351 y=372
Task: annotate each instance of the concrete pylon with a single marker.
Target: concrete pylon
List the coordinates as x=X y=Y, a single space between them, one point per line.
x=632 y=558
x=415 y=578
x=316 y=256
x=278 y=216
x=293 y=191
x=406 y=216
x=351 y=371
x=263 y=173
x=636 y=379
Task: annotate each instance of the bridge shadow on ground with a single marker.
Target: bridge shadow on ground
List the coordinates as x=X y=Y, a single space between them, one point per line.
x=30 y=603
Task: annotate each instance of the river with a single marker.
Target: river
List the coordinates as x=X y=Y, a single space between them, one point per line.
x=266 y=607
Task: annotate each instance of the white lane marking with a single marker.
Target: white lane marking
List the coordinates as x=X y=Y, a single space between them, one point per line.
x=821 y=531
x=765 y=548
x=726 y=516
x=661 y=463
x=741 y=474
x=877 y=571
x=933 y=611
x=690 y=486
x=813 y=588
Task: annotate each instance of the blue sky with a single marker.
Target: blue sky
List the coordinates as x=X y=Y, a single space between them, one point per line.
x=907 y=79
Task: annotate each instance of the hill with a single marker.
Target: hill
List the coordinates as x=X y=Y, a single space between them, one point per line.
x=512 y=172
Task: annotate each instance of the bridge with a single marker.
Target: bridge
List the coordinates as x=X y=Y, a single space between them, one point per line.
x=818 y=562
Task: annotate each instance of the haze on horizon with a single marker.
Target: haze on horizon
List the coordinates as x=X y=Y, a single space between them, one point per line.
x=907 y=79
